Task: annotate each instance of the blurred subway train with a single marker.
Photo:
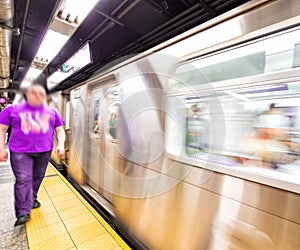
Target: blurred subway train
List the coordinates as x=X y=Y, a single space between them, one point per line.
x=195 y=143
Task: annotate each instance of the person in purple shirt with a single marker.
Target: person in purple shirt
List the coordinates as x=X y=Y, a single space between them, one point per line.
x=31 y=143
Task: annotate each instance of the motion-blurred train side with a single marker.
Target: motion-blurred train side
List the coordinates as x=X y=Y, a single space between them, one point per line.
x=195 y=143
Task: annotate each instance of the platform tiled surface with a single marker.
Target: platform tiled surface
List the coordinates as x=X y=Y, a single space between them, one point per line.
x=65 y=221
x=11 y=238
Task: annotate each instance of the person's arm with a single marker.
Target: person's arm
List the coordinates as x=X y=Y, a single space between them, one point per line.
x=61 y=137
x=3 y=152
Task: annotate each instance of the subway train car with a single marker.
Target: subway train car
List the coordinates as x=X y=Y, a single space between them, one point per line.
x=195 y=144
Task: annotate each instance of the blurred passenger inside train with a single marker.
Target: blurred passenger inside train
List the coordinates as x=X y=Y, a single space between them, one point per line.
x=113 y=125
x=96 y=127
x=272 y=142
x=30 y=145
x=197 y=128
x=97 y=114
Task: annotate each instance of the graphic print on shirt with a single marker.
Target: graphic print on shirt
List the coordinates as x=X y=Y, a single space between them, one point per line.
x=34 y=123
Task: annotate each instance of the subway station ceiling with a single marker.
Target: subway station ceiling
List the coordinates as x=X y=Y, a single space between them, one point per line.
x=114 y=28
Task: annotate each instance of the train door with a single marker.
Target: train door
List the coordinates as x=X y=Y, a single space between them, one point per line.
x=66 y=116
x=111 y=139
x=61 y=102
x=75 y=124
x=98 y=170
x=55 y=102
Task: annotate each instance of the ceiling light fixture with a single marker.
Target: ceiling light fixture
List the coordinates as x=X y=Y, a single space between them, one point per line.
x=51 y=45
x=69 y=16
x=75 y=11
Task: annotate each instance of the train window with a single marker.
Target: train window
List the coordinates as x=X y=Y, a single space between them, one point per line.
x=95 y=113
x=270 y=54
x=262 y=127
x=113 y=111
x=270 y=136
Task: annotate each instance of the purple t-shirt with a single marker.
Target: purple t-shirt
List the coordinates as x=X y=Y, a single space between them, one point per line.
x=32 y=127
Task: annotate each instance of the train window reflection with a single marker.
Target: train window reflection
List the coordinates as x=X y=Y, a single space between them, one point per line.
x=113 y=111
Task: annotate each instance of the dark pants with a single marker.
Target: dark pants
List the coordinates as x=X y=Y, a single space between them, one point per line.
x=29 y=170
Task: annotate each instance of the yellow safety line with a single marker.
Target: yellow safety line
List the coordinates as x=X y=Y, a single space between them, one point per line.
x=94 y=212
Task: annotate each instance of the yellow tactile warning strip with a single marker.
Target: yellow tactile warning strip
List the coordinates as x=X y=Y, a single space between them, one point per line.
x=67 y=221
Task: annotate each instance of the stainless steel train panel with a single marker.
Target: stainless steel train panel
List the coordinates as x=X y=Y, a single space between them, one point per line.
x=271 y=200
x=282 y=233
x=177 y=219
x=205 y=218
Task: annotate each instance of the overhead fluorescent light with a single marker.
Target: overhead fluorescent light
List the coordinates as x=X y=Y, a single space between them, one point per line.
x=51 y=45
x=75 y=11
x=32 y=74
x=25 y=84
x=49 y=48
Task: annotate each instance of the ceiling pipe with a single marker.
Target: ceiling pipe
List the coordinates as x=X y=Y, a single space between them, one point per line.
x=6 y=17
x=21 y=40
x=7 y=10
